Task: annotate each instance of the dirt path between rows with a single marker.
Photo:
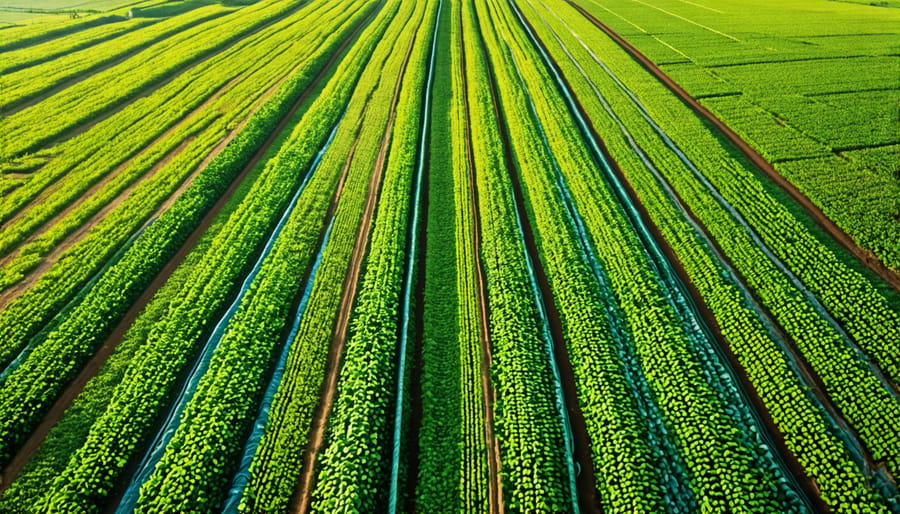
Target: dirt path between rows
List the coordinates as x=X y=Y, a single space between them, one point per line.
x=810 y=489
x=488 y=394
x=302 y=499
x=866 y=257
x=95 y=364
x=588 y=499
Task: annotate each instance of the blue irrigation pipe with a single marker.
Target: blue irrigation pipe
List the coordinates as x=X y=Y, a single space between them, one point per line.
x=242 y=477
x=838 y=426
x=410 y=278
x=156 y=450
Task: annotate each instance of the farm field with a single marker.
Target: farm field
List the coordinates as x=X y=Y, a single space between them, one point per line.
x=811 y=86
x=40 y=12
x=451 y=256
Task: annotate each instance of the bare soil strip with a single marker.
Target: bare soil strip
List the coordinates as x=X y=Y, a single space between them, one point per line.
x=866 y=257
x=96 y=363
x=588 y=498
x=489 y=395
x=303 y=493
x=32 y=277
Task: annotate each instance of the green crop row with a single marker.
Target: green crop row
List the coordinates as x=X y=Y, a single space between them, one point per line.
x=453 y=471
x=69 y=434
x=527 y=419
x=30 y=128
x=24 y=316
x=110 y=142
x=621 y=445
x=863 y=312
x=49 y=368
x=194 y=305
x=137 y=402
x=59 y=48
x=280 y=454
x=712 y=443
x=26 y=35
x=25 y=84
x=196 y=467
x=808 y=433
x=237 y=370
x=871 y=182
x=839 y=48
x=355 y=463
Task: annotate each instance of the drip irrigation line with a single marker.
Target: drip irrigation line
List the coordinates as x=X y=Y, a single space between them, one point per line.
x=156 y=450
x=409 y=279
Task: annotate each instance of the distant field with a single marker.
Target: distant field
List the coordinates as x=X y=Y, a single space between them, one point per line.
x=806 y=82
x=22 y=11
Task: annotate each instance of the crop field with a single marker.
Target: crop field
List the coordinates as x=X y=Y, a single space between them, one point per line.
x=450 y=256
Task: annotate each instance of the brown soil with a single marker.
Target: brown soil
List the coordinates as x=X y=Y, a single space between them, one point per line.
x=588 y=499
x=300 y=503
x=489 y=395
x=59 y=407
x=864 y=256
